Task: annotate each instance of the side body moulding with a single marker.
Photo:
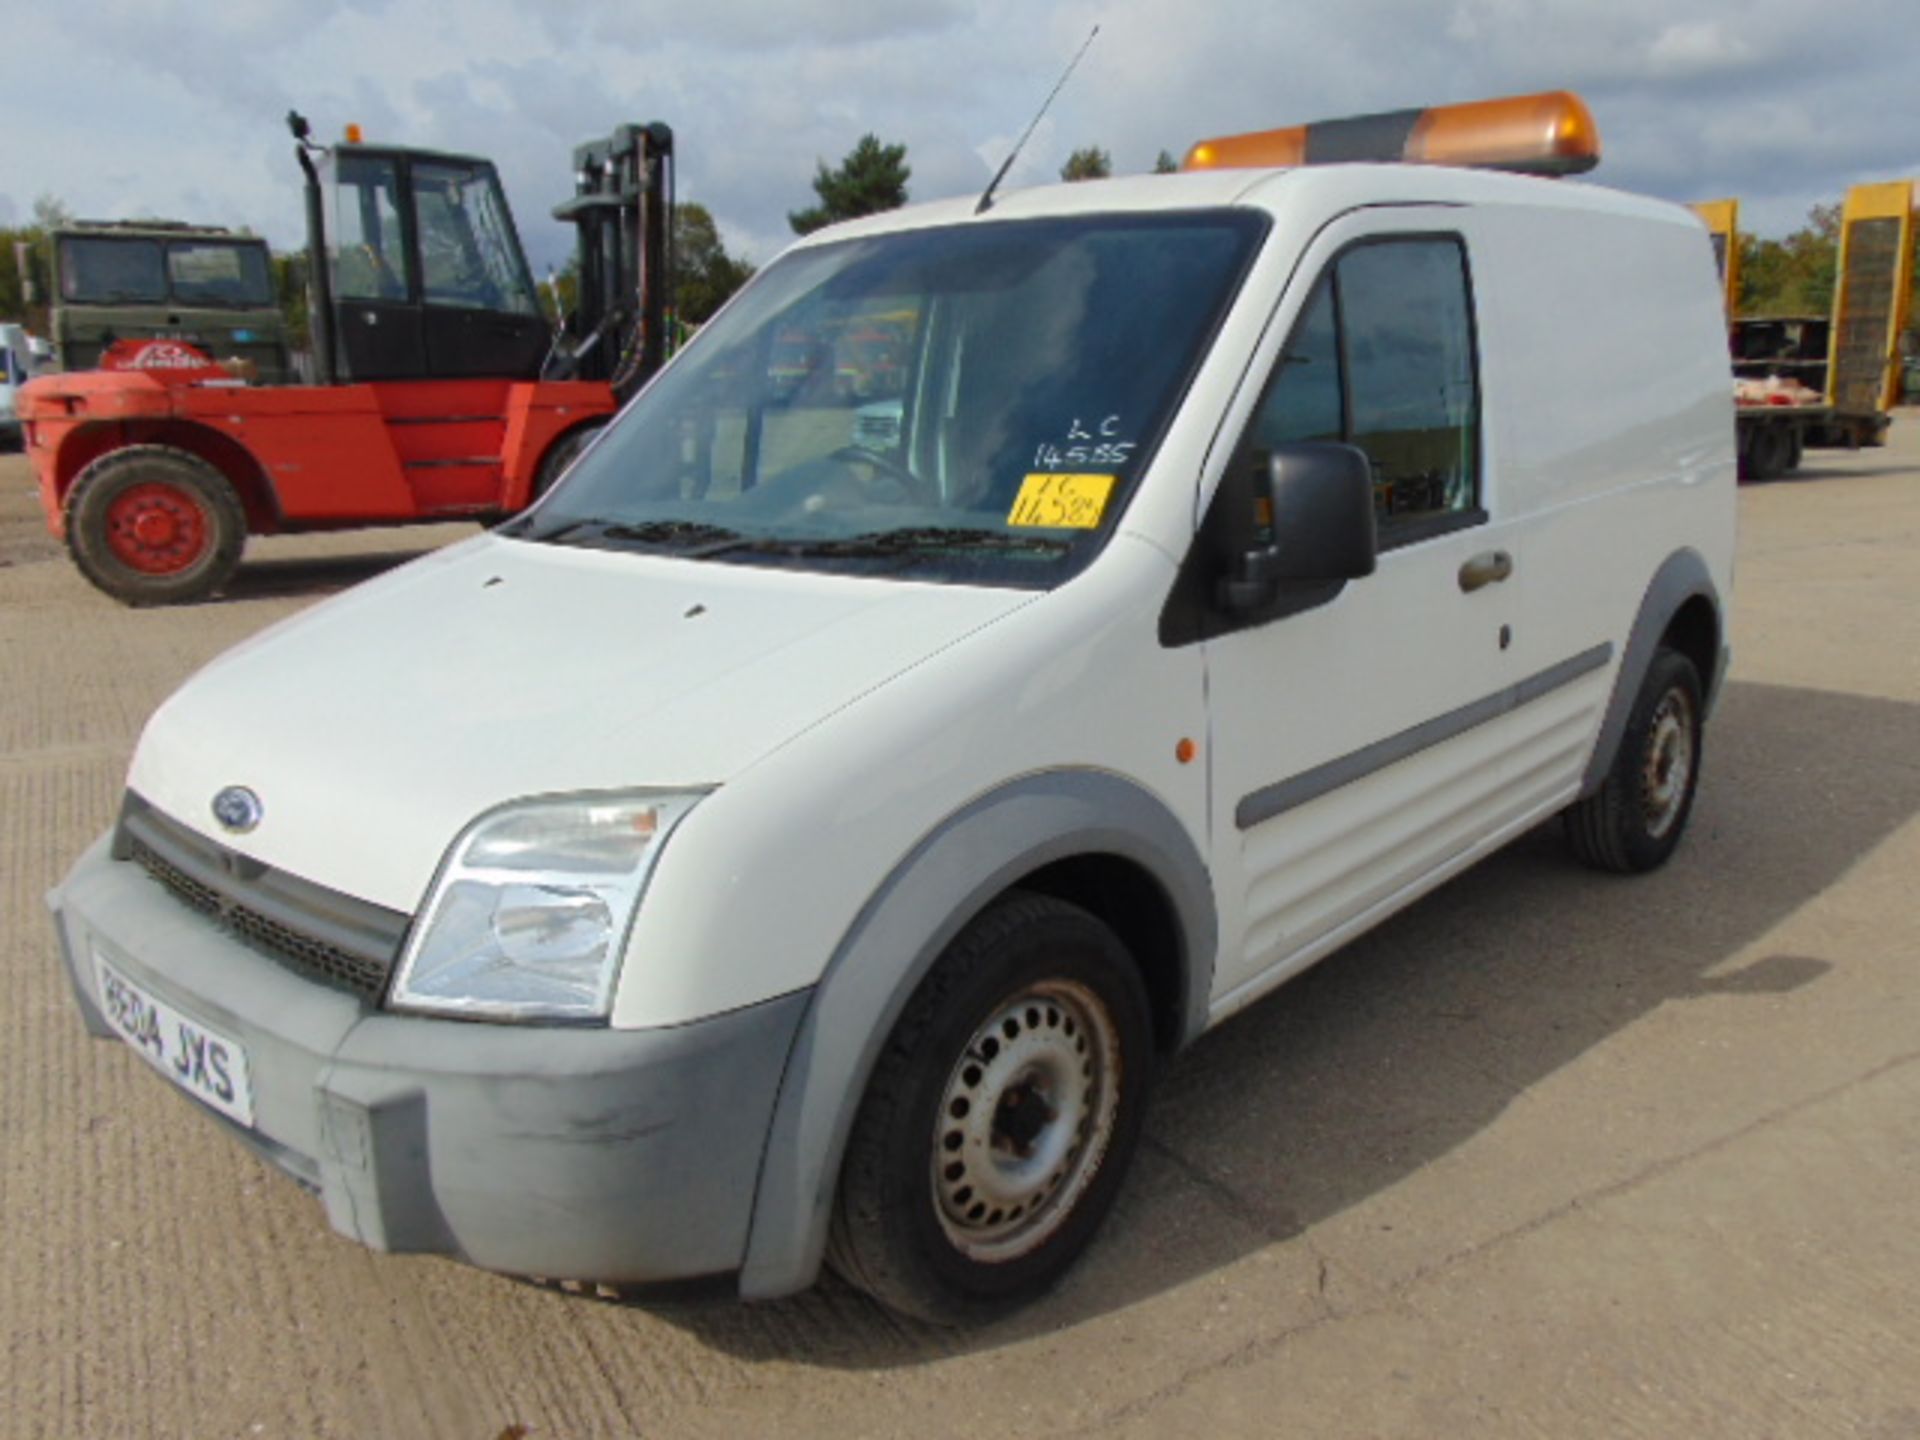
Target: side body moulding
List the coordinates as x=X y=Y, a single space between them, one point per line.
x=1276 y=799
x=956 y=871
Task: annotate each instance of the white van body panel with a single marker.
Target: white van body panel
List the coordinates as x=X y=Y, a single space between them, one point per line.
x=1594 y=414
x=601 y=672
x=759 y=886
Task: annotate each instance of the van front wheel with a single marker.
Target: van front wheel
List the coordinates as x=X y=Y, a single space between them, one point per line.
x=1000 y=1117
x=1635 y=819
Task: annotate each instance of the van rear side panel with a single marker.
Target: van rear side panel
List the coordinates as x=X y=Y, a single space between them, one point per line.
x=1609 y=412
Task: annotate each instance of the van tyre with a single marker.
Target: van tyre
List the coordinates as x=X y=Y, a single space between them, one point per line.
x=152 y=525
x=1000 y=1117
x=1635 y=819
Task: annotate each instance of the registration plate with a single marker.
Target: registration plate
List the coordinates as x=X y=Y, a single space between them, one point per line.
x=201 y=1061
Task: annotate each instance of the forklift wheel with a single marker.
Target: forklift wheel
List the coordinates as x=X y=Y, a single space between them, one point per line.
x=152 y=525
x=562 y=453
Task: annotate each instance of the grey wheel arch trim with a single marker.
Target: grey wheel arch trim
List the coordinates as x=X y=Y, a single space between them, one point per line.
x=1683 y=576
x=949 y=877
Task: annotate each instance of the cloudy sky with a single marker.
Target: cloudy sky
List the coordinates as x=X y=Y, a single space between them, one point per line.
x=171 y=108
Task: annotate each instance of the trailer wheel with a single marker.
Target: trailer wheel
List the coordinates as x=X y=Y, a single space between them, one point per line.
x=152 y=525
x=1772 y=448
x=1000 y=1117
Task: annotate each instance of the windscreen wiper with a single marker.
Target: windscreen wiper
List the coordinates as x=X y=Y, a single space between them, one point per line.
x=682 y=536
x=922 y=539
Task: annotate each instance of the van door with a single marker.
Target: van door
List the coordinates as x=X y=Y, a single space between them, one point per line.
x=1373 y=736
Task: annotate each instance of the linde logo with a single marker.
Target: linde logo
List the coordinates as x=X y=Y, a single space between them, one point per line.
x=154 y=355
x=166 y=355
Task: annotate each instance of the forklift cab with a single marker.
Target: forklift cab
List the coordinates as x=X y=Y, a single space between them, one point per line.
x=425 y=272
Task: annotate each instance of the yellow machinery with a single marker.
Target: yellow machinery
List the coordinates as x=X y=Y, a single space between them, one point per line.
x=1722 y=218
x=1871 y=296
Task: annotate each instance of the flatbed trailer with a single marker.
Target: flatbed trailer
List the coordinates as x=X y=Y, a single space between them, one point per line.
x=1845 y=365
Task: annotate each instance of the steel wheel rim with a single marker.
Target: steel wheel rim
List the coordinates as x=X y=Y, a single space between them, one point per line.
x=156 y=528
x=1025 y=1119
x=1669 y=763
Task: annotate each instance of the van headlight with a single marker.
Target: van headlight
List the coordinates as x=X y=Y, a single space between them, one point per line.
x=531 y=909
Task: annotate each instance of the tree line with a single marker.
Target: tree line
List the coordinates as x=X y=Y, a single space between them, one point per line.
x=1794 y=275
x=873 y=177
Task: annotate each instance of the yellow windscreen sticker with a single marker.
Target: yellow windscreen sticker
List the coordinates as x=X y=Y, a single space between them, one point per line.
x=1061 y=502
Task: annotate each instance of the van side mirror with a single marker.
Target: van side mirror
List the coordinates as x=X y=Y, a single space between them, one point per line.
x=1317 y=524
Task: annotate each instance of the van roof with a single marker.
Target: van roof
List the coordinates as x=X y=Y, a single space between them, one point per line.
x=1328 y=188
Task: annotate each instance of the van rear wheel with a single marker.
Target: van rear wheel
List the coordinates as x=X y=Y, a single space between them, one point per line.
x=1000 y=1118
x=153 y=525
x=1634 y=821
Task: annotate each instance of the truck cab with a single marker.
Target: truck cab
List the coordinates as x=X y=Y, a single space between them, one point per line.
x=206 y=286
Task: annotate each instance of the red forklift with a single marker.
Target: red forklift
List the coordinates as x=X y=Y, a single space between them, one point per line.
x=440 y=390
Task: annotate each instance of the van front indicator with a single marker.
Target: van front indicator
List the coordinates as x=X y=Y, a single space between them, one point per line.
x=531 y=909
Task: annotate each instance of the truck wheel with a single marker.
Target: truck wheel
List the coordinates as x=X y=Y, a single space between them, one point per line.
x=1634 y=820
x=560 y=454
x=152 y=525
x=1000 y=1118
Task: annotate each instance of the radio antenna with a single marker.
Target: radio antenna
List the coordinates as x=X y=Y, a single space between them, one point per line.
x=986 y=196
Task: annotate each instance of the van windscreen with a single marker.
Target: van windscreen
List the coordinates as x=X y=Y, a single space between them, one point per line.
x=971 y=402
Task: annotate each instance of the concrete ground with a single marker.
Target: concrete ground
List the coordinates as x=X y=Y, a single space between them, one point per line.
x=1550 y=1154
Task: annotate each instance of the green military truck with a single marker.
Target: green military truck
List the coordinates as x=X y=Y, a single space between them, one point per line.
x=205 y=286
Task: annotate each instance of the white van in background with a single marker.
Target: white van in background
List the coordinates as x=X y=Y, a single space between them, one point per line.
x=19 y=363
x=805 y=833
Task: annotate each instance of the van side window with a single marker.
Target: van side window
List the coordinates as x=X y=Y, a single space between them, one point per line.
x=1304 y=400
x=1409 y=348
x=1382 y=357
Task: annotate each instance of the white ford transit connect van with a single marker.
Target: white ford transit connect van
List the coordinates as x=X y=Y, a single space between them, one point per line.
x=999 y=647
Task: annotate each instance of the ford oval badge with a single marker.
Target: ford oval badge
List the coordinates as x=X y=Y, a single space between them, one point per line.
x=238 y=809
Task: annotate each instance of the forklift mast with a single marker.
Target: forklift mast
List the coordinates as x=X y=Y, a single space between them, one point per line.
x=622 y=207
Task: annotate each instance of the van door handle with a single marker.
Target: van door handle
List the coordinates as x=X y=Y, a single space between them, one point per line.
x=1488 y=569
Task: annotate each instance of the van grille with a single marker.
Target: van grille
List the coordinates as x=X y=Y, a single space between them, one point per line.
x=316 y=932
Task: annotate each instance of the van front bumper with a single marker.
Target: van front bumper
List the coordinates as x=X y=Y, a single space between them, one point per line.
x=620 y=1156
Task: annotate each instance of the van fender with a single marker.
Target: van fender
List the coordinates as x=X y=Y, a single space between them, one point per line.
x=1681 y=577
x=949 y=877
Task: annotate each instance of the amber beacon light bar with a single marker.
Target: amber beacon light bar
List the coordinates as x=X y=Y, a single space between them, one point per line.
x=1551 y=133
